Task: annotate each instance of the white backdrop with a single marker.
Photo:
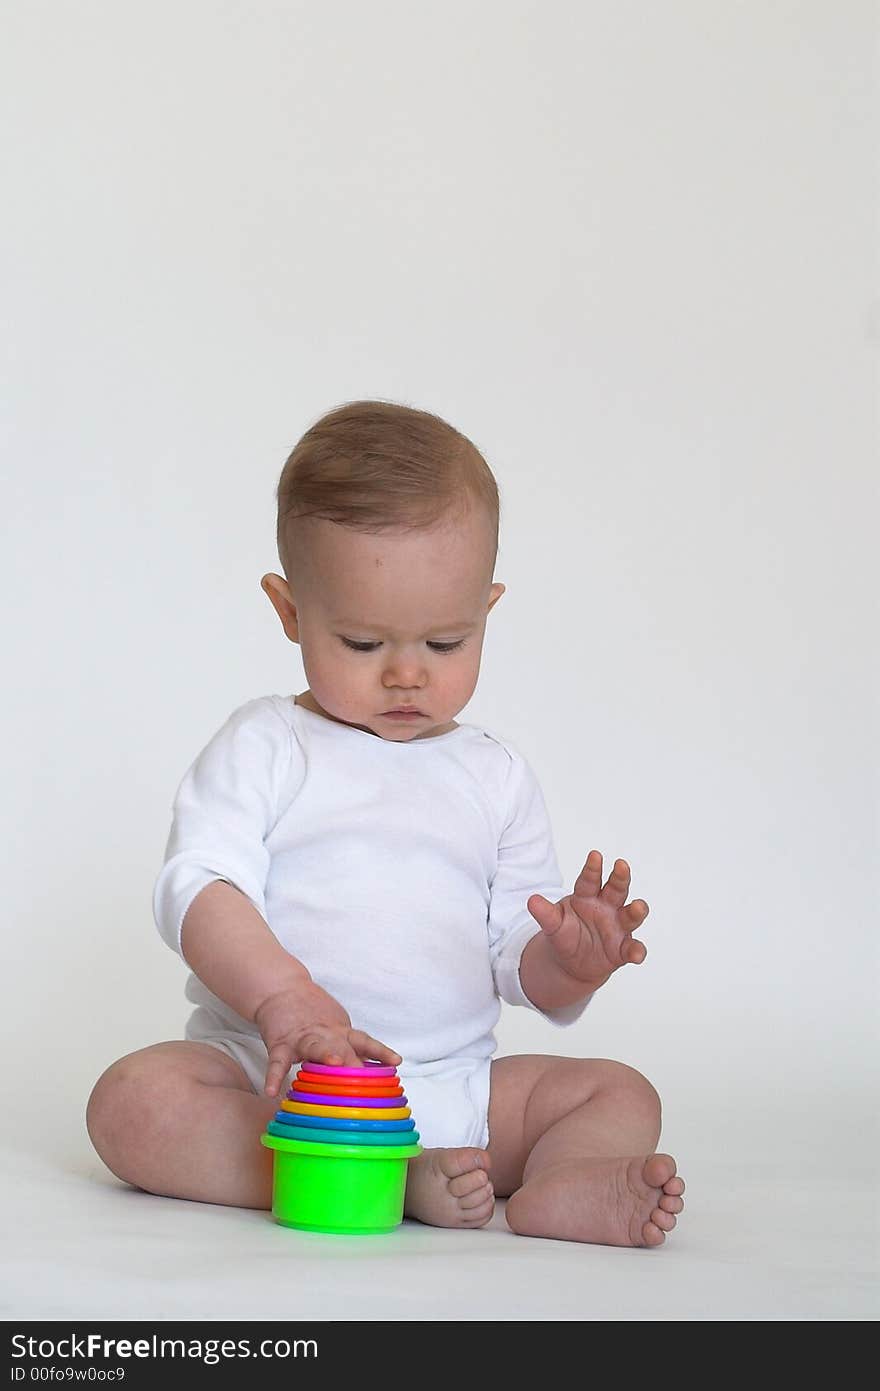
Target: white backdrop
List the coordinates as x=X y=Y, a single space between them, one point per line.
x=626 y=248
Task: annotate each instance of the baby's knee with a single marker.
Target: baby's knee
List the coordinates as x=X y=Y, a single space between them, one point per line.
x=124 y=1103
x=105 y=1121
x=640 y=1095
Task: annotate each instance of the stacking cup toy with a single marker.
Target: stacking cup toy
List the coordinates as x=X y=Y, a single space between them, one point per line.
x=341 y=1140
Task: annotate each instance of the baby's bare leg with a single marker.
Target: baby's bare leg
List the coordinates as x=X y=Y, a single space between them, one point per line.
x=180 y=1119
x=572 y=1141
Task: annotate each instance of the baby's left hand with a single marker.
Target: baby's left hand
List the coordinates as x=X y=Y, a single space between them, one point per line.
x=590 y=930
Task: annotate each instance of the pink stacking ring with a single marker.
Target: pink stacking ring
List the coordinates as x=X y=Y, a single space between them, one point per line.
x=373 y=1069
x=318 y=1099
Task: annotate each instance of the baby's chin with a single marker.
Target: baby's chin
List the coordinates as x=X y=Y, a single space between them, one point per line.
x=408 y=728
x=402 y=730
x=406 y=731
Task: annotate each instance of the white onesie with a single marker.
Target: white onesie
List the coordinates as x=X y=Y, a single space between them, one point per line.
x=398 y=873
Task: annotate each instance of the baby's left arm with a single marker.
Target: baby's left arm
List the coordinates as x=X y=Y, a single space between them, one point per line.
x=584 y=937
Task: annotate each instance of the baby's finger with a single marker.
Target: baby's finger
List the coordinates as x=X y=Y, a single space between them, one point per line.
x=617 y=886
x=634 y=951
x=634 y=914
x=368 y=1047
x=328 y=1046
x=280 y=1059
x=589 y=881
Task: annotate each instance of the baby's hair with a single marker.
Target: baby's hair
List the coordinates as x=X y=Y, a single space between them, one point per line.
x=378 y=466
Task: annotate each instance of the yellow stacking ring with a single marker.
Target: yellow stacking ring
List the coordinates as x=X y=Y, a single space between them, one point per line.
x=365 y=1113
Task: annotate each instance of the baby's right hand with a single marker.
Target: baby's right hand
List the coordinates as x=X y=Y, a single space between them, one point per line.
x=304 y=1022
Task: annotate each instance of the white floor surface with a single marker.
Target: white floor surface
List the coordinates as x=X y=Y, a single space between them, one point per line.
x=780 y=1225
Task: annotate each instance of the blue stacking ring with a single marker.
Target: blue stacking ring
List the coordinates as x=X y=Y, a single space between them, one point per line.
x=339 y=1137
x=341 y=1122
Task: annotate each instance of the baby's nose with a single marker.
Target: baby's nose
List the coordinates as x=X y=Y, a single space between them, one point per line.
x=404 y=674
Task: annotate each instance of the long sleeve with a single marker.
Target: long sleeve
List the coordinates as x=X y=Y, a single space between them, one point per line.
x=526 y=865
x=225 y=806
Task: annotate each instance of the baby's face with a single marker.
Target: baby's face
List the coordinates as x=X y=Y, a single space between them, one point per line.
x=391 y=620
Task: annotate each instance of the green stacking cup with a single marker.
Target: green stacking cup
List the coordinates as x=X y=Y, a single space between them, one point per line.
x=350 y=1189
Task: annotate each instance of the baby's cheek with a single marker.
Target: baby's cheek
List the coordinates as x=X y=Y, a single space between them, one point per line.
x=465 y=678
x=333 y=685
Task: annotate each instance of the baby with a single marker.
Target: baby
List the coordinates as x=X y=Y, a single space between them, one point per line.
x=351 y=864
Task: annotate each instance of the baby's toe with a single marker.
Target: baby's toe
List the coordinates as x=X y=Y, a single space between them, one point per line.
x=669 y=1204
x=478 y=1216
x=651 y=1235
x=674 y=1187
x=479 y=1198
x=472 y=1182
x=664 y=1220
x=659 y=1171
x=457 y=1162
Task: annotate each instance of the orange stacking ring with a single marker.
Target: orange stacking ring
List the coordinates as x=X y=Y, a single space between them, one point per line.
x=365 y=1113
x=369 y=1084
x=322 y=1087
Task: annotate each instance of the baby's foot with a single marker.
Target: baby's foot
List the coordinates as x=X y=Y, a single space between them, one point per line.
x=450 y=1188
x=613 y=1202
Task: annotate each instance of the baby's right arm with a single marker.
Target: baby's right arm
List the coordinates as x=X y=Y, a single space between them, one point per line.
x=230 y=946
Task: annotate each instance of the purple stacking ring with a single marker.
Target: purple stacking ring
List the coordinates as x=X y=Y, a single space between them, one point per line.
x=319 y=1099
x=373 y=1068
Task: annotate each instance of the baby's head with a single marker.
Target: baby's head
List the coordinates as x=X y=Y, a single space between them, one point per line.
x=387 y=535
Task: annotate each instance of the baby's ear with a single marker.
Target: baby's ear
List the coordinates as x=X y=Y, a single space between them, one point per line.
x=495 y=594
x=278 y=591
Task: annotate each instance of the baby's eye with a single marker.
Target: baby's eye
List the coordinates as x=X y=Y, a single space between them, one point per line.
x=372 y=646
